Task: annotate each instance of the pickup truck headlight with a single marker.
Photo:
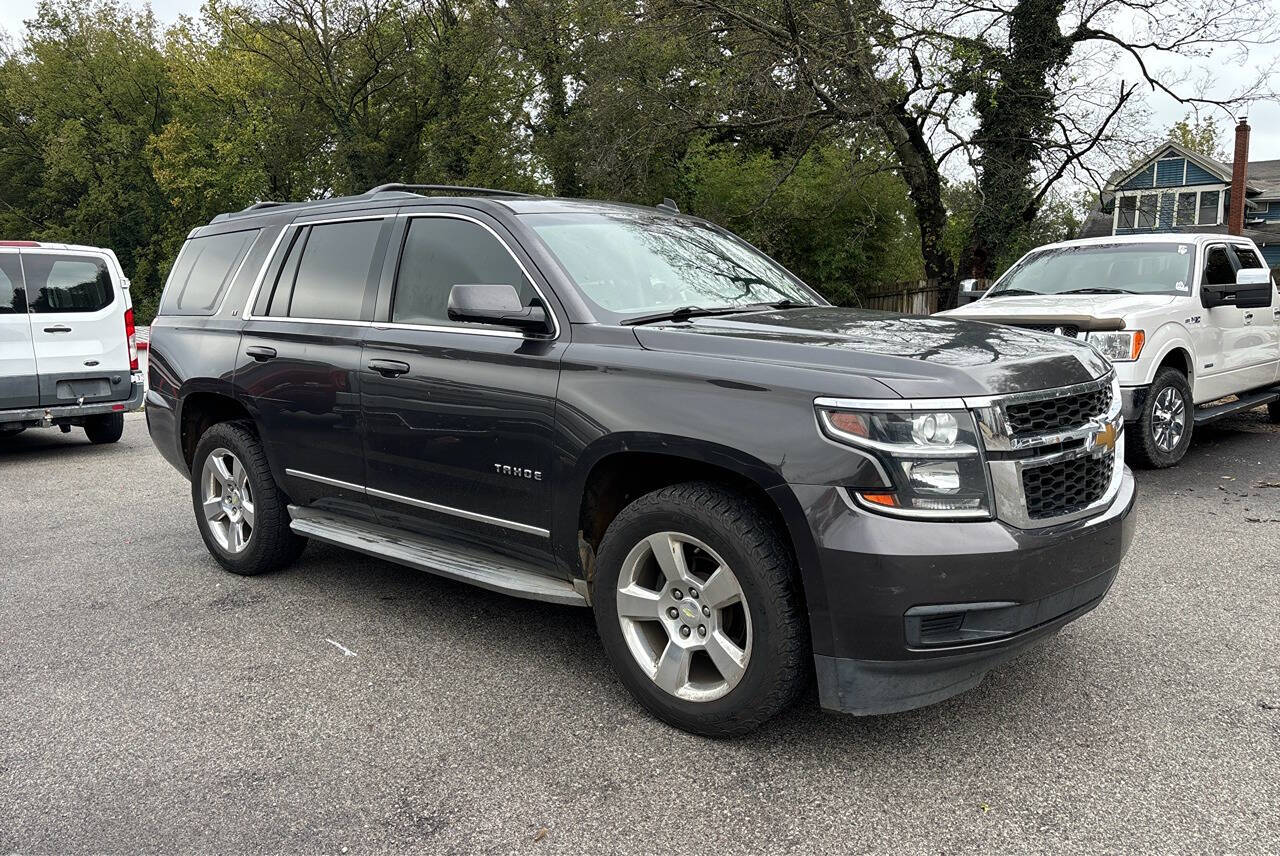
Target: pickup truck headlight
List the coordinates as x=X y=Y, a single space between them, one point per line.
x=1121 y=346
x=930 y=458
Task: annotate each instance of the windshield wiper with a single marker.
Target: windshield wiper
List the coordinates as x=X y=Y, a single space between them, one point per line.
x=1007 y=292
x=684 y=313
x=1098 y=290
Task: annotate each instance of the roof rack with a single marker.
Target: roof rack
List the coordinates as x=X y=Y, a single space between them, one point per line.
x=266 y=203
x=470 y=191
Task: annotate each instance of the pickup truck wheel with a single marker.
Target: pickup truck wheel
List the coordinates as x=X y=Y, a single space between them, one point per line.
x=106 y=428
x=1168 y=417
x=242 y=515
x=697 y=603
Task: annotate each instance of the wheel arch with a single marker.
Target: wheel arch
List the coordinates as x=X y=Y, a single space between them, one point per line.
x=619 y=468
x=199 y=410
x=1176 y=351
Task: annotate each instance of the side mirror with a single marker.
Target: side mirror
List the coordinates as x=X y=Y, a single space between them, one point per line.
x=1251 y=290
x=496 y=304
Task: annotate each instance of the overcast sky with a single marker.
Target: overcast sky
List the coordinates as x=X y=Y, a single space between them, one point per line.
x=1264 y=117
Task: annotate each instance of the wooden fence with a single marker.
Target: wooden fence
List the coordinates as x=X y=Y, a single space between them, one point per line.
x=921 y=297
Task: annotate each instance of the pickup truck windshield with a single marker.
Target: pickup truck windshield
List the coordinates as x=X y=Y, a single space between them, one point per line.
x=1155 y=268
x=637 y=264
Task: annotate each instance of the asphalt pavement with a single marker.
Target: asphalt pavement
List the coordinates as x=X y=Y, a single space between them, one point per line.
x=150 y=702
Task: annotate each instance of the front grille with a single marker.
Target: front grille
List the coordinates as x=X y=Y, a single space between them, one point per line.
x=1053 y=490
x=1057 y=414
x=1071 y=330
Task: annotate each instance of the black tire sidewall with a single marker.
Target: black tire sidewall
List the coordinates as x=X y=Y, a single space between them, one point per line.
x=764 y=664
x=262 y=553
x=104 y=428
x=1151 y=454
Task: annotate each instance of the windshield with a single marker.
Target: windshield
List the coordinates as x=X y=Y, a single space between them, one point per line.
x=635 y=264
x=1155 y=268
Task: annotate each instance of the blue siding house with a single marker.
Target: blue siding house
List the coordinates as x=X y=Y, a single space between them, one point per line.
x=1178 y=190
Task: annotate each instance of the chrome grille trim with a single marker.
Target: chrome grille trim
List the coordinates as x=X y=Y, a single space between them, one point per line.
x=1016 y=452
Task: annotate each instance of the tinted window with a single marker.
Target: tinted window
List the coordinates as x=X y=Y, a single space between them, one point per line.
x=1217 y=267
x=1248 y=258
x=441 y=252
x=66 y=283
x=326 y=274
x=12 y=298
x=203 y=271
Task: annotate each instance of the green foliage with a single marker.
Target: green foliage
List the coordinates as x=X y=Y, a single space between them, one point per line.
x=116 y=133
x=1202 y=135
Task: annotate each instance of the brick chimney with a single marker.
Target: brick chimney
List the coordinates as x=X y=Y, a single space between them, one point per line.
x=1239 y=173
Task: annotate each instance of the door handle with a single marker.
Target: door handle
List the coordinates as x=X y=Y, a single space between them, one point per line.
x=60 y=328
x=389 y=368
x=261 y=353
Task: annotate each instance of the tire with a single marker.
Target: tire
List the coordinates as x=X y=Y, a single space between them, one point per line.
x=768 y=625
x=1151 y=445
x=1273 y=411
x=106 y=428
x=248 y=533
x=7 y=432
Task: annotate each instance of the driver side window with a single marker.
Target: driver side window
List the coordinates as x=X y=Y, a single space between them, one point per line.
x=1217 y=267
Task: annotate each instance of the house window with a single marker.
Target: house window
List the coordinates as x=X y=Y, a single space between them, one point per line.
x=1186 y=212
x=1148 y=205
x=1208 y=208
x=1128 y=212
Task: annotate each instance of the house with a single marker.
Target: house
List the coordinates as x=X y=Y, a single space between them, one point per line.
x=1178 y=190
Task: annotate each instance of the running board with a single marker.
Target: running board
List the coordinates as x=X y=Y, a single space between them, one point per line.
x=1248 y=402
x=460 y=562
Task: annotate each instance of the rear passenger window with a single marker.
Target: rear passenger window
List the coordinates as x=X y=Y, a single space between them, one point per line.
x=203 y=272
x=12 y=298
x=441 y=252
x=327 y=271
x=67 y=283
x=1248 y=258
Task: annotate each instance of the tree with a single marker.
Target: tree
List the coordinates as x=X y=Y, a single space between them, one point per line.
x=1200 y=134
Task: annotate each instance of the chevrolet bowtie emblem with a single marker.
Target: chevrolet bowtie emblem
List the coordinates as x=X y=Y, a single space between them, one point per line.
x=1104 y=438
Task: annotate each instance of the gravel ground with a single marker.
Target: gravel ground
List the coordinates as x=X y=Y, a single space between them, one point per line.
x=151 y=702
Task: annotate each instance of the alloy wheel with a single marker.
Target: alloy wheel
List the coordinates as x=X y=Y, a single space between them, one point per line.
x=1168 y=419
x=684 y=616
x=227 y=500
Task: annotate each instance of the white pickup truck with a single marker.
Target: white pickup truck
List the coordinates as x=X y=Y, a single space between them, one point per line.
x=1190 y=321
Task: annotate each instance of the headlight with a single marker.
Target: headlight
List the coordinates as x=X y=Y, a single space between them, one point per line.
x=1121 y=346
x=930 y=459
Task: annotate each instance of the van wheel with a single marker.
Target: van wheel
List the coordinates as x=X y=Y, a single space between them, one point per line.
x=242 y=515
x=106 y=428
x=7 y=431
x=698 y=606
x=1168 y=417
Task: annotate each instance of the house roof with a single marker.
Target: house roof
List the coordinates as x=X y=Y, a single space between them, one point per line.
x=1263 y=177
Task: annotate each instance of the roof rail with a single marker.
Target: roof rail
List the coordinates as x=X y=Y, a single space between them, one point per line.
x=470 y=191
x=266 y=203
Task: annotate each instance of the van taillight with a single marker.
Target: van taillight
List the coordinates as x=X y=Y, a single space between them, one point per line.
x=131 y=333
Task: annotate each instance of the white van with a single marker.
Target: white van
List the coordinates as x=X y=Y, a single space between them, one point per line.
x=68 y=356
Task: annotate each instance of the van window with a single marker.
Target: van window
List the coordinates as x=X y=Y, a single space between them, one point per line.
x=203 y=272
x=67 y=283
x=441 y=252
x=12 y=298
x=327 y=272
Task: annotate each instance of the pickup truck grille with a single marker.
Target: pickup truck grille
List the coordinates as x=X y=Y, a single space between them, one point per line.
x=1070 y=330
x=1055 y=414
x=1055 y=490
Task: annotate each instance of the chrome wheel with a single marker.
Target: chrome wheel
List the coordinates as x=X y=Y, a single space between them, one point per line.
x=227 y=500
x=684 y=617
x=1168 y=419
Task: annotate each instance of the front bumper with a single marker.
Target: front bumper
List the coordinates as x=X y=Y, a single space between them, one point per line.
x=45 y=416
x=919 y=611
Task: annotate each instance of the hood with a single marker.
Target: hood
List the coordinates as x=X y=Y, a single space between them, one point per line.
x=915 y=356
x=1089 y=311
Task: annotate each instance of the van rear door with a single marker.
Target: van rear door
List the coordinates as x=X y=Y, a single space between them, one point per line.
x=18 y=385
x=78 y=303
